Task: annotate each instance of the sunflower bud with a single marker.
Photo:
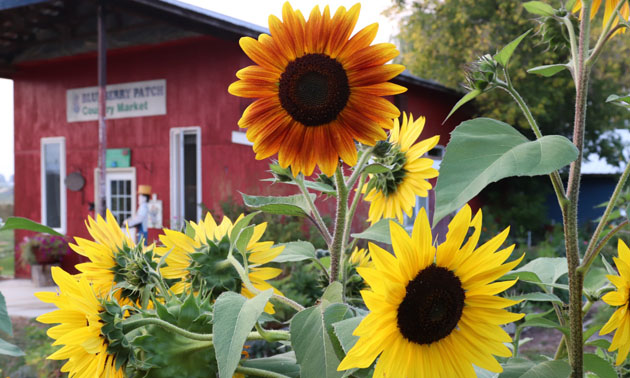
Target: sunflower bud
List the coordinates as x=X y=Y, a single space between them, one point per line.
x=279 y=173
x=132 y=271
x=381 y=148
x=482 y=74
x=552 y=31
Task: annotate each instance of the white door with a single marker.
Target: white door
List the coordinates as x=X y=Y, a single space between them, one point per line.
x=121 y=194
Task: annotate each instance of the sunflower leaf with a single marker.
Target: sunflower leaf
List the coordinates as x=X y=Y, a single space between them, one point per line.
x=376 y=168
x=548 y=70
x=468 y=97
x=484 y=150
x=19 y=223
x=241 y=224
x=234 y=318
x=537 y=297
x=296 y=251
x=539 y=8
x=5 y=320
x=378 y=232
x=520 y=368
x=10 y=349
x=284 y=364
x=503 y=56
x=599 y=366
x=294 y=205
x=312 y=337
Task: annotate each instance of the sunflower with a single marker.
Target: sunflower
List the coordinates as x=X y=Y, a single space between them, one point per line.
x=318 y=89
x=208 y=237
x=620 y=320
x=79 y=331
x=113 y=256
x=361 y=258
x=608 y=9
x=395 y=191
x=433 y=312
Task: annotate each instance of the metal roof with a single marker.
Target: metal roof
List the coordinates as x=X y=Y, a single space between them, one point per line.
x=46 y=29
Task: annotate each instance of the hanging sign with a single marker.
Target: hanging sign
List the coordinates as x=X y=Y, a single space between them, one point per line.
x=138 y=99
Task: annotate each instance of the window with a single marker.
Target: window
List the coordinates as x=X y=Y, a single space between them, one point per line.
x=120 y=191
x=185 y=175
x=53 y=188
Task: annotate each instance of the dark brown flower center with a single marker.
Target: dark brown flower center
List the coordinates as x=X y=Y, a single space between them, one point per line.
x=314 y=89
x=432 y=306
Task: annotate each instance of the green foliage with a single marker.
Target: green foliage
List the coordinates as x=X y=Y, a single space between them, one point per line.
x=30 y=337
x=294 y=205
x=483 y=150
x=456 y=32
x=19 y=223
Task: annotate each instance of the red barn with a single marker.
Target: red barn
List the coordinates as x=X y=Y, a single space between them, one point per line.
x=171 y=123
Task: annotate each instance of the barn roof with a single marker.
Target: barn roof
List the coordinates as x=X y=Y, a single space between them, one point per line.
x=34 y=30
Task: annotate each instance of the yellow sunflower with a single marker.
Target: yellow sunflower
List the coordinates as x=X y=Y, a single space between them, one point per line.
x=180 y=248
x=433 y=312
x=608 y=9
x=620 y=320
x=318 y=89
x=395 y=191
x=361 y=258
x=79 y=331
x=114 y=258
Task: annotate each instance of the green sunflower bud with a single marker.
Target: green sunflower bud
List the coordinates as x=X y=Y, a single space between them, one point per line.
x=381 y=148
x=553 y=33
x=279 y=173
x=132 y=272
x=482 y=74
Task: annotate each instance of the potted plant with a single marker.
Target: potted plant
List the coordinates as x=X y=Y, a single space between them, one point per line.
x=43 y=251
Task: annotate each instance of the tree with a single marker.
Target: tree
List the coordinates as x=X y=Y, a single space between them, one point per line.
x=439 y=38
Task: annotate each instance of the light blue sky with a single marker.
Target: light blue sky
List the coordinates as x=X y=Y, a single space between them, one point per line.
x=254 y=11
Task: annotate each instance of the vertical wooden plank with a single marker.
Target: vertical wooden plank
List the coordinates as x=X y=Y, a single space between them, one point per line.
x=102 y=97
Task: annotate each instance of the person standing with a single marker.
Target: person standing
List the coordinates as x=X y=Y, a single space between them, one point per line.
x=141 y=219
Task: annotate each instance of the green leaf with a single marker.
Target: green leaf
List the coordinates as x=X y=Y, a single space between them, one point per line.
x=609 y=267
x=190 y=231
x=332 y=294
x=343 y=331
x=591 y=331
x=599 y=366
x=376 y=168
x=617 y=98
x=19 y=223
x=241 y=224
x=539 y=8
x=595 y=279
x=5 y=320
x=600 y=343
x=234 y=318
x=515 y=367
x=468 y=97
x=548 y=369
x=10 y=349
x=549 y=70
x=315 y=185
x=503 y=56
x=294 y=205
x=243 y=239
x=538 y=297
x=310 y=338
x=547 y=269
x=544 y=323
x=284 y=364
x=378 y=232
x=569 y=5
x=296 y=251
x=484 y=150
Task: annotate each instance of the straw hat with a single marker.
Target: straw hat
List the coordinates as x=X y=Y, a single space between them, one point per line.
x=144 y=189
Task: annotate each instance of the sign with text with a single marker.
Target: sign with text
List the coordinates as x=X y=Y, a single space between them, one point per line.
x=138 y=99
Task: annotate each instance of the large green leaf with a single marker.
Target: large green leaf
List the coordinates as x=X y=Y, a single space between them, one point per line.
x=543 y=271
x=484 y=150
x=343 y=331
x=549 y=369
x=10 y=349
x=5 y=321
x=549 y=70
x=234 y=318
x=539 y=8
x=290 y=205
x=316 y=347
x=599 y=366
x=19 y=223
x=537 y=297
x=296 y=251
x=378 y=232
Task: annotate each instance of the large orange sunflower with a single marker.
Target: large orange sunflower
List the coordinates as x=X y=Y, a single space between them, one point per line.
x=318 y=89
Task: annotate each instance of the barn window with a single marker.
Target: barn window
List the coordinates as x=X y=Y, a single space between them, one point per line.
x=53 y=188
x=120 y=191
x=185 y=175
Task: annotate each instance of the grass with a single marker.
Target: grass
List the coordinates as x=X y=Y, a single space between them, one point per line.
x=7 y=247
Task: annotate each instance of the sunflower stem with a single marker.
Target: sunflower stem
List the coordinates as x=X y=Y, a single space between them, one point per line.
x=336 y=248
x=129 y=326
x=289 y=302
x=346 y=236
x=253 y=372
x=358 y=169
x=317 y=217
x=576 y=278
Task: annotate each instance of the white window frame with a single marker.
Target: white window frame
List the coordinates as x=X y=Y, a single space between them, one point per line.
x=175 y=188
x=113 y=173
x=239 y=137
x=62 y=184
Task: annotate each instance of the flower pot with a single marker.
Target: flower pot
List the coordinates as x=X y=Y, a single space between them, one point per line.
x=41 y=276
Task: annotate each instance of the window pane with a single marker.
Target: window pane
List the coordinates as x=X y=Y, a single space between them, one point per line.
x=128 y=208
x=113 y=188
x=190 y=177
x=52 y=183
x=128 y=187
